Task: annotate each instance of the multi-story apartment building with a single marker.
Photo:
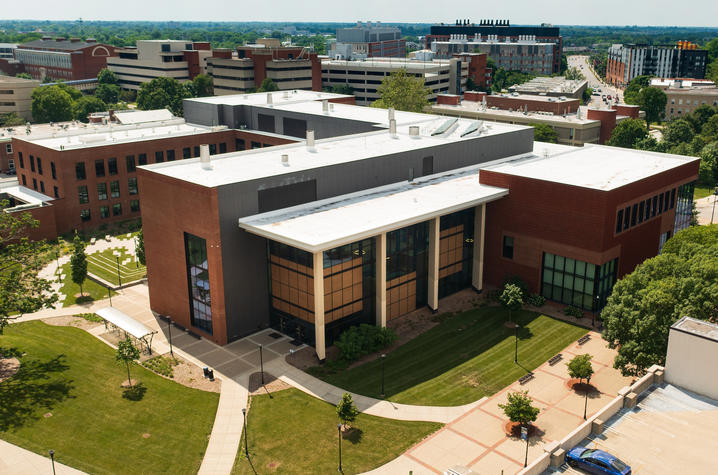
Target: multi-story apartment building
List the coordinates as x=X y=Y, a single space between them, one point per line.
x=150 y=59
x=502 y=31
x=63 y=59
x=15 y=96
x=524 y=54
x=364 y=77
x=289 y=67
x=683 y=60
x=368 y=41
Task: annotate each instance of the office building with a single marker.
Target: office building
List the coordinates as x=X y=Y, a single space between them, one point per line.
x=368 y=41
x=6 y=50
x=685 y=96
x=63 y=59
x=501 y=31
x=378 y=213
x=150 y=59
x=557 y=86
x=15 y=96
x=683 y=60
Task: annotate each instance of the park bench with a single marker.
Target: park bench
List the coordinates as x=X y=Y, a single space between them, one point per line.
x=584 y=339
x=555 y=359
x=526 y=378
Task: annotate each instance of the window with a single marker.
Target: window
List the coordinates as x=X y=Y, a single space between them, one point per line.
x=53 y=171
x=684 y=207
x=24 y=180
x=104 y=212
x=673 y=198
x=39 y=165
x=34 y=184
x=634 y=214
x=22 y=162
x=8 y=148
x=186 y=152
x=114 y=189
x=56 y=192
x=223 y=147
x=196 y=151
x=666 y=200
x=32 y=163
x=42 y=187
x=660 y=203
x=427 y=166
x=85 y=214
x=80 y=171
x=117 y=209
x=159 y=156
x=198 y=282
x=578 y=283
x=256 y=144
x=99 y=168
x=130 y=161
x=142 y=159
x=102 y=191
x=135 y=206
x=626 y=217
x=640 y=212
x=508 y=248
x=132 y=185
x=112 y=166
x=170 y=155
x=619 y=221
x=213 y=149
x=82 y=194
x=239 y=144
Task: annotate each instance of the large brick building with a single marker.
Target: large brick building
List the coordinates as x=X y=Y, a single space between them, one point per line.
x=379 y=212
x=63 y=59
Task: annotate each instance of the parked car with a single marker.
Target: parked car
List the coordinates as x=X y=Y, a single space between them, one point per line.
x=596 y=461
x=608 y=97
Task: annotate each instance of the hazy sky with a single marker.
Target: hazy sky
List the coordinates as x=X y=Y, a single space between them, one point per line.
x=562 y=12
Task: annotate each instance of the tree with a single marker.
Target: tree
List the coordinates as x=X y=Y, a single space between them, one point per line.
x=161 y=93
x=267 y=86
x=85 y=106
x=343 y=89
x=653 y=101
x=627 y=133
x=11 y=119
x=574 y=74
x=23 y=76
x=71 y=91
x=346 y=410
x=402 y=92
x=108 y=93
x=519 y=408
x=580 y=367
x=511 y=298
x=105 y=76
x=203 y=86
x=51 y=104
x=630 y=95
x=708 y=171
x=127 y=353
x=21 y=289
x=682 y=280
x=78 y=262
x=140 y=247
x=700 y=116
x=544 y=133
x=678 y=131
x=710 y=128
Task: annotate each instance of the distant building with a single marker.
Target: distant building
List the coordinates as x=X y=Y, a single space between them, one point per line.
x=501 y=31
x=557 y=86
x=289 y=67
x=150 y=59
x=6 y=50
x=683 y=60
x=368 y=41
x=685 y=96
x=63 y=59
x=364 y=77
x=15 y=96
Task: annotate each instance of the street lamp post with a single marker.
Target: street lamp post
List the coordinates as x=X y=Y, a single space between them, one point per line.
x=715 y=195
x=261 y=364
x=585 y=404
x=52 y=459
x=595 y=309
x=339 y=430
x=109 y=295
x=516 y=351
x=383 y=357
x=169 y=334
x=119 y=279
x=525 y=436
x=244 y=423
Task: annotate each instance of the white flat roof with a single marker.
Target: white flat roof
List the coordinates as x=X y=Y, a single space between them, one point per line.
x=477 y=107
x=31 y=197
x=592 y=166
x=124 y=321
x=326 y=224
x=278 y=97
x=134 y=116
x=697 y=327
x=259 y=163
x=374 y=115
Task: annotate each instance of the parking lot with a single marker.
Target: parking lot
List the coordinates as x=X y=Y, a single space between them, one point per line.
x=669 y=431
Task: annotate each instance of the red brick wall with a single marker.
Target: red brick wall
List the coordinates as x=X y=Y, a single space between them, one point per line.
x=47 y=228
x=170 y=208
x=608 y=122
x=193 y=67
x=474 y=96
x=516 y=103
x=627 y=110
x=316 y=72
x=448 y=99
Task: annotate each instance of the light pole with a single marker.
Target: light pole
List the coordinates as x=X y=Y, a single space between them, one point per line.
x=119 y=279
x=383 y=357
x=715 y=194
x=525 y=436
x=244 y=423
x=595 y=309
x=109 y=295
x=339 y=430
x=169 y=334
x=52 y=459
x=516 y=351
x=261 y=364
x=585 y=404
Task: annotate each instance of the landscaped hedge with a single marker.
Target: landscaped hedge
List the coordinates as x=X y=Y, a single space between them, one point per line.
x=573 y=312
x=536 y=300
x=362 y=340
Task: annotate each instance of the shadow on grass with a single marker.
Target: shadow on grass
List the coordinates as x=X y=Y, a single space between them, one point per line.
x=135 y=393
x=84 y=299
x=353 y=435
x=34 y=389
x=10 y=352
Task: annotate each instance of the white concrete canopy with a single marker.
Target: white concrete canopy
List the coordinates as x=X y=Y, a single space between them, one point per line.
x=333 y=222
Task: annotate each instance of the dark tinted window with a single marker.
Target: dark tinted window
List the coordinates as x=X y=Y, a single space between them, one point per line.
x=112 y=166
x=99 y=168
x=508 y=247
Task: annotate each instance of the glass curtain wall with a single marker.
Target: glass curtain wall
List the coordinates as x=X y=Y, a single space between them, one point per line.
x=198 y=281
x=684 y=207
x=577 y=283
x=407 y=264
x=456 y=251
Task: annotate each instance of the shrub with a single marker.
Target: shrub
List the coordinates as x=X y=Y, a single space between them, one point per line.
x=536 y=300
x=518 y=282
x=573 y=311
x=362 y=340
x=161 y=365
x=90 y=317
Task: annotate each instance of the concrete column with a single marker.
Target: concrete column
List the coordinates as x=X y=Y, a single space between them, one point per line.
x=381 y=280
x=477 y=277
x=434 y=243
x=319 y=344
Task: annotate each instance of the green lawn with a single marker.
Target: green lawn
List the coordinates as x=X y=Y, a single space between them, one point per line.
x=72 y=375
x=701 y=191
x=104 y=265
x=465 y=357
x=91 y=289
x=293 y=432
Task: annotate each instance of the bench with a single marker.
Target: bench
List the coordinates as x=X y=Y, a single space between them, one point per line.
x=584 y=339
x=526 y=378
x=555 y=359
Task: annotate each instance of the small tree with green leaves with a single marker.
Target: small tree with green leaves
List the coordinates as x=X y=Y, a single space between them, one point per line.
x=140 y=247
x=403 y=92
x=346 y=410
x=511 y=298
x=268 y=86
x=519 y=408
x=580 y=367
x=127 y=353
x=78 y=262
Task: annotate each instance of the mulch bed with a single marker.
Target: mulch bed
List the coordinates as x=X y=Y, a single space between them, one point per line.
x=513 y=429
x=8 y=368
x=574 y=384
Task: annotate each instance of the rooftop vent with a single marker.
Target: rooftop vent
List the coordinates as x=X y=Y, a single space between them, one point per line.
x=392 y=127
x=269 y=98
x=391 y=114
x=285 y=159
x=414 y=131
x=204 y=157
x=325 y=106
x=310 y=141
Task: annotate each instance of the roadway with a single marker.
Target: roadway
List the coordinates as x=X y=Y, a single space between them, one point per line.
x=594 y=82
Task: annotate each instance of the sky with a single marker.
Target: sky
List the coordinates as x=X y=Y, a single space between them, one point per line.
x=558 y=12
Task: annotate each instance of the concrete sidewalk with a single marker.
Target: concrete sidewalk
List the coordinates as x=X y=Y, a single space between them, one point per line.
x=18 y=461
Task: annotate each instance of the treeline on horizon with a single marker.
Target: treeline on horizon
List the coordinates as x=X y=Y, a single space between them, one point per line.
x=231 y=34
